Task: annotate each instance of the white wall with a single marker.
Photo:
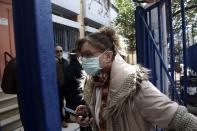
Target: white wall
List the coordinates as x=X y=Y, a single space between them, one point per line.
x=63 y=21
x=96 y=12
x=92 y=10
x=90 y=29
x=113 y=14
x=72 y=5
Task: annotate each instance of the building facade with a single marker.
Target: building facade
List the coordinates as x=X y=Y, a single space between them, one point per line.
x=71 y=18
x=77 y=17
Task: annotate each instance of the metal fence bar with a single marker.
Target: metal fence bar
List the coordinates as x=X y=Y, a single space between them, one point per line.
x=139 y=37
x=38 y=92
x=146 y=39
x=148 y=49
x=151 y=51
x=153 y=6
x=172 y=59
x=160 y=48
x=184 y=51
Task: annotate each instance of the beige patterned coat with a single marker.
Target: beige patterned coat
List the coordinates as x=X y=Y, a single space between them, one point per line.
x=134 y=103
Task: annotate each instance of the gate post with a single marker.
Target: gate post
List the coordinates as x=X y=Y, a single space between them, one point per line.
x=140 y=34
x=38 y=94
x=184 y=50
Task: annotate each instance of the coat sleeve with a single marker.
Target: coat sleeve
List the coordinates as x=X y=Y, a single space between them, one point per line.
x=183 y=121
x=154 y=106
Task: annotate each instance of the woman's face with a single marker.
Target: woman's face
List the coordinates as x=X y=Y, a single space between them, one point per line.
x=105 y=58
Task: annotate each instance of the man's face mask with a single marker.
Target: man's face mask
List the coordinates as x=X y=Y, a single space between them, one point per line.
x=91 y=65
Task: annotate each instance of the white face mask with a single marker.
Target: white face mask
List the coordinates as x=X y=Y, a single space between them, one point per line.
x=91 y=65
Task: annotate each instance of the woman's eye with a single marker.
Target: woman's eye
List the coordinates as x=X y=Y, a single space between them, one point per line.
x=87 y=55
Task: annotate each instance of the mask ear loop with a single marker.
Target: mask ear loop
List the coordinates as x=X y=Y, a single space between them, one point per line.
x=116 y=49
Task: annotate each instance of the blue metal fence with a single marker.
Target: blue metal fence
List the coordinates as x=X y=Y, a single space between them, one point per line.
x=192 y=54
x=149 y=50
x=150 y=47
x=184 y=50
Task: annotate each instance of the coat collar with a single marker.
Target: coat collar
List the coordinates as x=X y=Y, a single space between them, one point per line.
x=124 y=84
x=119 y=72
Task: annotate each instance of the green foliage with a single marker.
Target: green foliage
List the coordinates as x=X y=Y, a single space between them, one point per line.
x=125 y=21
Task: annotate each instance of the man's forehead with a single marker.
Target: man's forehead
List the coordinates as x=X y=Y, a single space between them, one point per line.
x=58 y=47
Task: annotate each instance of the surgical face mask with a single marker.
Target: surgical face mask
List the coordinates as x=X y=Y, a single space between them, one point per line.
x=91 y=65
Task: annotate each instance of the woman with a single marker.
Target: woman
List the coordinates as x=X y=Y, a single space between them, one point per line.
x=120 y=96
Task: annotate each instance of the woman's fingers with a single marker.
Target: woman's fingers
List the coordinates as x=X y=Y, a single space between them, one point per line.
x=82 y=119
x=80 y=108
x=84 y=122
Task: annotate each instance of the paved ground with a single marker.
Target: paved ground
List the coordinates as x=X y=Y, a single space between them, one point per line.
x=71 y=127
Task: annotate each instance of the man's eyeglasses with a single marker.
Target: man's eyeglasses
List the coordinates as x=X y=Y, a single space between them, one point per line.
x=57 y=51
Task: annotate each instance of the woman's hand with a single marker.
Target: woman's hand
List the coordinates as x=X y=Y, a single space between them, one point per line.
x=83 y=116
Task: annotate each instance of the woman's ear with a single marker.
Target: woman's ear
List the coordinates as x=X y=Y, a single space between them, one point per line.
x=106 y=60
x=109 y=56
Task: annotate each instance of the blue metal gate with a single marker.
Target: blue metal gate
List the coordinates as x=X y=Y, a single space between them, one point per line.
x=152 y=44
x=155 y=46
x=38 y=92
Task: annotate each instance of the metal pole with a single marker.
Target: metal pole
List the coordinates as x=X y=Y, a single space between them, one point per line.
x=149 y=49
x=139 y=37
x=165 y=47
x=38 y=92
x=172 y=60
x=184 y=51
x=160 y=57
x=160 y=47
x=188 y=37
x=192 y=34
x=81 y=19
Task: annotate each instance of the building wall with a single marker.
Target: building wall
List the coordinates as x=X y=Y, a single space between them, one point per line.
x=97 y=12
x=65 y=36
x=93 y=10
x=6 y=32
x=65 y=19
x=71 y=5
x=95 y=16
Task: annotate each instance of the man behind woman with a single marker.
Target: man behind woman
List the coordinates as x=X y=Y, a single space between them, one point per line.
x=61 y=65
x=69 y=74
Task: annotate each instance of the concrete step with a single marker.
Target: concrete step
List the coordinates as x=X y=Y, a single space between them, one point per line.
x=3 y=95
x=0 y=90
x=11 y=123
x=9 y=111
x=8 y=100
x=19 y=129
